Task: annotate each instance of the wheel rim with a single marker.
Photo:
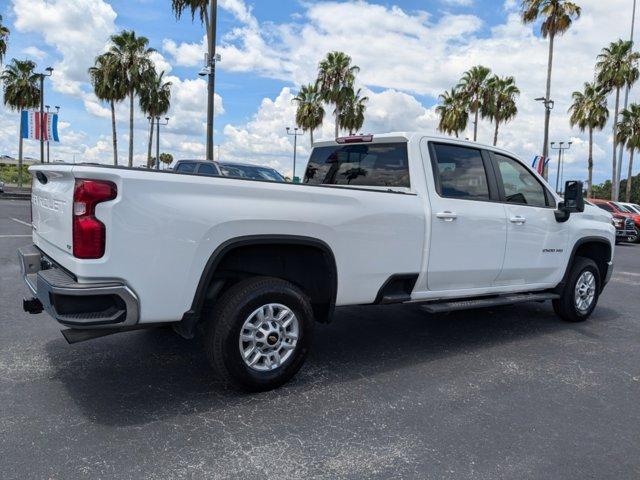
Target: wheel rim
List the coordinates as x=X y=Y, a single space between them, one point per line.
x=269 y=337
x=585 y=291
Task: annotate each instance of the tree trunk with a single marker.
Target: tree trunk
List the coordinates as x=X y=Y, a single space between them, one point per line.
x=547 y=112
x=114 y=133
x=20 y=154
x=615 y=185
x=475 y=125
x=311 y=135
x=590 y=165
x=495 y=135
x=337 y=122
x=131 y=95
x=630 y=178
x=152 y=122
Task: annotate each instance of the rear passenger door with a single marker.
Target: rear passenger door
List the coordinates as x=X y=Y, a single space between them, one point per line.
x=536 y=242
x=468 y=223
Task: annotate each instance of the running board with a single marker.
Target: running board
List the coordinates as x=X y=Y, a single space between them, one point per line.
x=469 y=304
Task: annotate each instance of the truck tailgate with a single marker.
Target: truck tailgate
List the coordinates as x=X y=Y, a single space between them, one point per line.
x=52 y=207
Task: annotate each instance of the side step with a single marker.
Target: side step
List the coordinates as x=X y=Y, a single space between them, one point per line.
x=470 y=304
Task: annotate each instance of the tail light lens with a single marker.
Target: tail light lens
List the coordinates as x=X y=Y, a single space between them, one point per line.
x=89 y=233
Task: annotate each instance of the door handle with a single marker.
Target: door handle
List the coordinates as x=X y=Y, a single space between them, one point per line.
x=447 y=216
x=518 y=220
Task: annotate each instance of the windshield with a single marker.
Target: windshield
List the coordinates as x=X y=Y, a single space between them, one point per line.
x=622 y=208
x=251 y=172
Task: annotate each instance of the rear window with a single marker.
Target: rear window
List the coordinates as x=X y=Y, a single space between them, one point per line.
x=251 y=172
x=186 y=167
x=604 y=206
x=370 y=165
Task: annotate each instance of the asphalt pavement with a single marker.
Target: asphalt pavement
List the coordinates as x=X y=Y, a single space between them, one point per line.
x=388 y=392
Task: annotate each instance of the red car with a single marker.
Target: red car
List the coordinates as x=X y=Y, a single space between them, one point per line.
x=618 y=210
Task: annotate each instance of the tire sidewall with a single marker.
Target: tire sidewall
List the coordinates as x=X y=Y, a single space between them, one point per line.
x=227 y=335
x=582 y=267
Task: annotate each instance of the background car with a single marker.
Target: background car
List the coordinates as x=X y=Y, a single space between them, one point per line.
x=625 y=229
x=634 y=207
x=1 y=186
x=228 y=169
x=619 y=210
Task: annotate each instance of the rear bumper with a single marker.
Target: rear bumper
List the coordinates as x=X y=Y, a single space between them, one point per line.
x=73 y=304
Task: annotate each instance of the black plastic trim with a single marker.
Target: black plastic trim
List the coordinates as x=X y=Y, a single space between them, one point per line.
x=193 y=315
x=389 y=293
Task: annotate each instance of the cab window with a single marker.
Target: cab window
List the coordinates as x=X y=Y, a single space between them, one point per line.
x=186 y=167
x=520 y=185
x=460 y=173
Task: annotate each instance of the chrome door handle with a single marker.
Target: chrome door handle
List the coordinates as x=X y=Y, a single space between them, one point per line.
x=518 y=220
x=447 y=216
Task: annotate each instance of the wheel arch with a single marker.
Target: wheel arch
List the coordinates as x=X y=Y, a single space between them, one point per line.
x=206 y=289
x=598 y=249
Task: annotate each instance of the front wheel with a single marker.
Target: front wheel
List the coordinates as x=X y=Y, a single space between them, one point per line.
x=581 y=293
x=259 y=333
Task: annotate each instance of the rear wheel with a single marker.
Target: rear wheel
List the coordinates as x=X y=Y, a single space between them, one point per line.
x=259 y=333
x=581 y=293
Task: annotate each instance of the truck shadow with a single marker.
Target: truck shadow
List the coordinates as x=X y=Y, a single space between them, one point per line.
x=143 y=377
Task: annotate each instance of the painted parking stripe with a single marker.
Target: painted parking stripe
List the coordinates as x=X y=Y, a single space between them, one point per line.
x=15 y=236
x=21 y=222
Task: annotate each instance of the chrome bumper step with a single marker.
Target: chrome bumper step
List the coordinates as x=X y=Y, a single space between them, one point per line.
x=470 y=304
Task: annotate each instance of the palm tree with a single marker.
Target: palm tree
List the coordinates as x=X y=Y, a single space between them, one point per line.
x=499 y=104
x=109 y=86
x=352 y=114
x=155 y=100
x=629 y=136
x=616 y=69
x=4 y=34
x=557 y=17
x=336 y=77
x=453 y=111
x=21 y=92
x=474 y=86
x=132 y=55
x=310 y=112
x=589 y=111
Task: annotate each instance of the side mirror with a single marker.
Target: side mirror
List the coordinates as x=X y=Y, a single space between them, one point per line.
x=573 y=201
x=573 y=197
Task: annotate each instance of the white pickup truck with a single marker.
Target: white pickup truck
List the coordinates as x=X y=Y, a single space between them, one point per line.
x=394 y=218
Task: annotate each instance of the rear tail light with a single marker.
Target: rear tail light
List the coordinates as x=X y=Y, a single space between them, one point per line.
x=89 y=233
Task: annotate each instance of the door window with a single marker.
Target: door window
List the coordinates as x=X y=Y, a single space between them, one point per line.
x=460 y=173
x=520 y=185
x=208 y=170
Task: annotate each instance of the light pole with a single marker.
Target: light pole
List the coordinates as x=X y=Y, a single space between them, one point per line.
x=166 y=122
x=616 y=184
x=49 y=72
x=295 y=134
x=211 y=58
x=561 y=149
x=548 y=106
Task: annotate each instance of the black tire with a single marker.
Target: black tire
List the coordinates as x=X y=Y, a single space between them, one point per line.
x=565 y=307
x=224 y=327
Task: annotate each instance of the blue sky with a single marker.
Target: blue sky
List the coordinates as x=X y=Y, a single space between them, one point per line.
x=409 y=51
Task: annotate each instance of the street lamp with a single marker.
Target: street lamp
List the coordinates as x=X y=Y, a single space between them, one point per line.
x=209 y=69
x=295 y=134
x=166 y=122
x=561 y=149
x=548 y=106
x=57 y=111
x=48 y=72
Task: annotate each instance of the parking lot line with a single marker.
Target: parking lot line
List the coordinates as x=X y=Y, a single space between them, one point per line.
x=15 y=236
x=21 y=222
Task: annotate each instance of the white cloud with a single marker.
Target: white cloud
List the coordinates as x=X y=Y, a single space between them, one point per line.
x=458 y=3
x=34 y=52
x=77 y=29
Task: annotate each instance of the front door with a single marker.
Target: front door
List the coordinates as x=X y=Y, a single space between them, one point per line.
x=468 y=224
x=536 y=242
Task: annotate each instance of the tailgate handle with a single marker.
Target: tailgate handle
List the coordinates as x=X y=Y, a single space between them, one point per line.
x=42 y=178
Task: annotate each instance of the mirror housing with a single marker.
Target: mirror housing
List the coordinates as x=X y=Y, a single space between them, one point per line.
x=573 y=201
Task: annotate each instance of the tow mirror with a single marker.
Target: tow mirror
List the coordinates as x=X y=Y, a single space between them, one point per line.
x=573 y=201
